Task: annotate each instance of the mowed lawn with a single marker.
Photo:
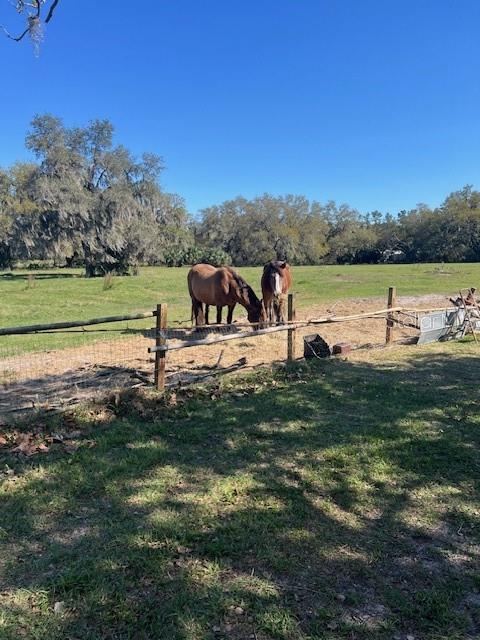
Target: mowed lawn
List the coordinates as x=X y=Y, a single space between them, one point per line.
x=61 y=295
x=334 y=501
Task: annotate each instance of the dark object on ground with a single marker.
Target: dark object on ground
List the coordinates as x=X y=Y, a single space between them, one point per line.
x=341 y=349
x=314 y=346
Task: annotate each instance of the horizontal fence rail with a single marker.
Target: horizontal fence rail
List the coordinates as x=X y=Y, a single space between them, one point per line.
x=232 y=336
x=52 y=326
x=37 y=328
x=109 y=358
x=357 y=316
x=429 y=310
x=287 y=326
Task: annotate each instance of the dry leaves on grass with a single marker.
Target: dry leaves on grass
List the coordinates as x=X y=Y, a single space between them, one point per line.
x=30 y=443
x=26 y=444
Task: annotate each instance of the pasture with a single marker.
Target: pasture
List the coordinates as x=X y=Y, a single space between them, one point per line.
x=59 y=295
x=334 y=501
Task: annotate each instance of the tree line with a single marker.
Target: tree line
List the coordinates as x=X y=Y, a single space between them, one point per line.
x=87 y=202
x=304 y=232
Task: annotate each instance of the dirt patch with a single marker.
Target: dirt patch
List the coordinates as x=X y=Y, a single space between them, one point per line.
x=63 y=377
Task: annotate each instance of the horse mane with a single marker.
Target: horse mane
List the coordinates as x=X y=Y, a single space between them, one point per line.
x=269 y=269
x=238 y=279
x=251 y=294
x=243 y=284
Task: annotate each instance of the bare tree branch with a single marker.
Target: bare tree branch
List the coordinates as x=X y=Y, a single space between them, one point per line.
x=18 y=38
x=32 y=19
x=52 y=9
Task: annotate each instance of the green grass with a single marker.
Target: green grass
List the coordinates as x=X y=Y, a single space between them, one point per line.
x=64 y=295
x=335 y=501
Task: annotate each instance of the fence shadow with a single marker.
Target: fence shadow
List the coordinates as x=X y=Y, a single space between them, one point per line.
x=340 y=501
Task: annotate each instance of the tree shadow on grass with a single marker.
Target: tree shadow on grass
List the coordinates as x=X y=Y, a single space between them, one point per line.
x=341 y=503
x=58 y=390
x=38 y=275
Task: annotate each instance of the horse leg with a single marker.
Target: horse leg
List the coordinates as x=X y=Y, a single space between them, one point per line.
x=207 y=308
x=281 y=310
x=219 y=315
x=231 y=307
x=268 y=302
x=274 y=309
x=198 y=312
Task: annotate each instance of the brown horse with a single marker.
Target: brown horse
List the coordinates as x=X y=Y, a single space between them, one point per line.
x=276 y=281
x=221 y=287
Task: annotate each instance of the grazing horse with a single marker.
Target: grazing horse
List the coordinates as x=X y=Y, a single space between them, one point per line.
x=221 y=287
x=276 y=281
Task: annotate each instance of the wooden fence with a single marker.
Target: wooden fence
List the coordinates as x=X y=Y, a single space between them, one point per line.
x=188 y=337
x=162 y=346
x=52 y=326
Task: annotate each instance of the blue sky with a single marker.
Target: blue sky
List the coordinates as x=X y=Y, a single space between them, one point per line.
x=373 y=103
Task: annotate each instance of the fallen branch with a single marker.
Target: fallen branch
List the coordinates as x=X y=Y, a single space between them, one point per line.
x=140 y=376
x=234 y=367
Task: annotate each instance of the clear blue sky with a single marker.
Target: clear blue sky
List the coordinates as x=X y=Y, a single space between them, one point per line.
x=374 y=103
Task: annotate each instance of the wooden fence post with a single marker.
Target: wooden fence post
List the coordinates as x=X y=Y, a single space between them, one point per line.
x=291 y=332
x=160 y=356
x=392 y=301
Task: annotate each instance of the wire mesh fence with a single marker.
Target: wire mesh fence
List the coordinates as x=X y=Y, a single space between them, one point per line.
x=57 y=368
x=50 y=369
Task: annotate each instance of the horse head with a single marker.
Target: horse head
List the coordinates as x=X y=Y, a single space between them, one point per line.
x=257 y=314
x=274 y=274
x=276 y=265
x=255 y=308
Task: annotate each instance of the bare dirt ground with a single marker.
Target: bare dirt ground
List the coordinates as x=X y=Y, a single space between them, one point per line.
x=51 y=379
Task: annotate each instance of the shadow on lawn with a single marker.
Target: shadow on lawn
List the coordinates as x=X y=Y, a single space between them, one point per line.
x=38 y=275
x=57 y=391
x=340 y=504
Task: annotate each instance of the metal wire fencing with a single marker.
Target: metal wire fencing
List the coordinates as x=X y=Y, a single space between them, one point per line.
x=61 y=364
x=56 y=368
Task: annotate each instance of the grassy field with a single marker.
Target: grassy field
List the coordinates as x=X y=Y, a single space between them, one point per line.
x=337 y=501
x=65 y=295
